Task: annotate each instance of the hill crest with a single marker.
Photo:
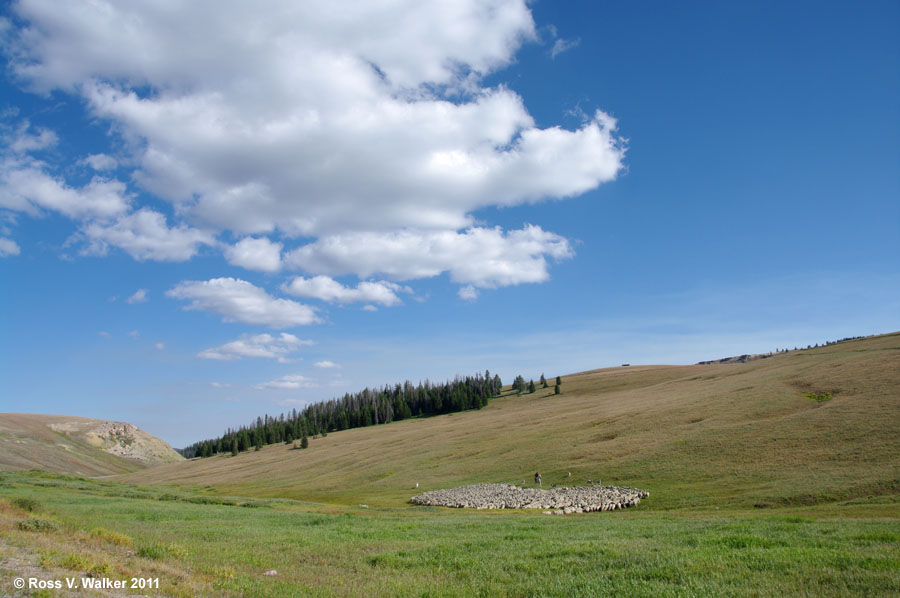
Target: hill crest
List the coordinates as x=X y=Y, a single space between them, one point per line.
x=78 y=445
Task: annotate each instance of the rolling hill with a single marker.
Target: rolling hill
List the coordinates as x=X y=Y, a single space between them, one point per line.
x=78 y=445
x=804 y=427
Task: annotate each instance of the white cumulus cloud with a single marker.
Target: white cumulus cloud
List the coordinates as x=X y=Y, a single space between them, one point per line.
x=255 y=254
x=240 y=301
x=101 y=162
x=328 y=289
x=353 y=120
x=482 y=257
x=468 y=293
x=26 y=186
x=260 y=345
x=325 y=364
x=145 y=236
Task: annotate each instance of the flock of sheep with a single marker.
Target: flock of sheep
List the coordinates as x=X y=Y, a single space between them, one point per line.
x=559 y=501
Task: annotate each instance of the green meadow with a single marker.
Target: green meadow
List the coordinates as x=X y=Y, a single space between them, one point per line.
x=196 y=547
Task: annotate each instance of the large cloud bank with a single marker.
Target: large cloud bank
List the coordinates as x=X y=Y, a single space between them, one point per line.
x=358 y=137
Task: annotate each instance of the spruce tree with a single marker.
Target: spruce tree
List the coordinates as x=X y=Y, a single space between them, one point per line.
x=531 y=387
x=234 y=446
x=519 y=384
x=558 y=381
x=556 y=390
x=304 y=442
x=543 y=381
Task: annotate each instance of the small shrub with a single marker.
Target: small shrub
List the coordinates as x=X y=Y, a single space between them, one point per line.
x=155 y=551
x=210 y=500
x=75 y=562
x=819 y=397
x=26 y=504
x=37 y=524
x=176 y=551
x=158 y=551
x=100 y=570
x=111 y=537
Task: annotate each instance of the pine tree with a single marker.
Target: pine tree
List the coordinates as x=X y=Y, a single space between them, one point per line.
x=558 y=381
x=556 y=390
x=543 y=381
x=304 y=442
x=234 y=446
x=519 y=384
x=531 y=387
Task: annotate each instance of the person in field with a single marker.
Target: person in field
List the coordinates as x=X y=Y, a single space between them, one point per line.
x=537 y=479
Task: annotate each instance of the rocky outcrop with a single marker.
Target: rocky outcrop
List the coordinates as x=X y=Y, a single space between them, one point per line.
x=559 y=501
x=78 y=445
x=118 y=438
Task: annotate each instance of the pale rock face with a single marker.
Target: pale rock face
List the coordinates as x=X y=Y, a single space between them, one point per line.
x=118 y=438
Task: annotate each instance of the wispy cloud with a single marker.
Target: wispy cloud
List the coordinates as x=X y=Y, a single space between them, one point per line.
x=139 y=296
x=9 y=247
x=289 y=382
x=561 y=45
x=330 y=290
x=239 y=301
x=261 y=345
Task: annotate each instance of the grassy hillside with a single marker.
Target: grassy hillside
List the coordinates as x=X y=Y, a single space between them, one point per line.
x=736 y=435
x=77 y=445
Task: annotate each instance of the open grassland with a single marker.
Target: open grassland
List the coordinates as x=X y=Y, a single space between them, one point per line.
x=199 y=548
x=696 y=437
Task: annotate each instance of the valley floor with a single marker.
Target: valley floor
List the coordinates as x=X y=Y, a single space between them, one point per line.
x=198 y=544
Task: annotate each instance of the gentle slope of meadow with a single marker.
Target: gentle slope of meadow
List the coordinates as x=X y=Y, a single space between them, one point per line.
x=730 y=435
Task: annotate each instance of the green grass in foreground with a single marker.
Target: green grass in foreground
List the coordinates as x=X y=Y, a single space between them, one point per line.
x=223 y=549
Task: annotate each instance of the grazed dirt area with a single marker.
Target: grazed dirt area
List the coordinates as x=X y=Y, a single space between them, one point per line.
x=19 y=562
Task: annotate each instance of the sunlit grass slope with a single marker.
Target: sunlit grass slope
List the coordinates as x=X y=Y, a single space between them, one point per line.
x=77 y=445
x=735 y=435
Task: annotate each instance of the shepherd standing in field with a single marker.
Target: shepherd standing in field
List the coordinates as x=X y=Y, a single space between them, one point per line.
x=537 y=479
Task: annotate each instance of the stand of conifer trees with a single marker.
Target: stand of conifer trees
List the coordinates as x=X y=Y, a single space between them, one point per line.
x=366 y=408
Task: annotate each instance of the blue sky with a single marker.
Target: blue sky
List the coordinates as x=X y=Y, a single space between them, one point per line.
x=209 y=212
